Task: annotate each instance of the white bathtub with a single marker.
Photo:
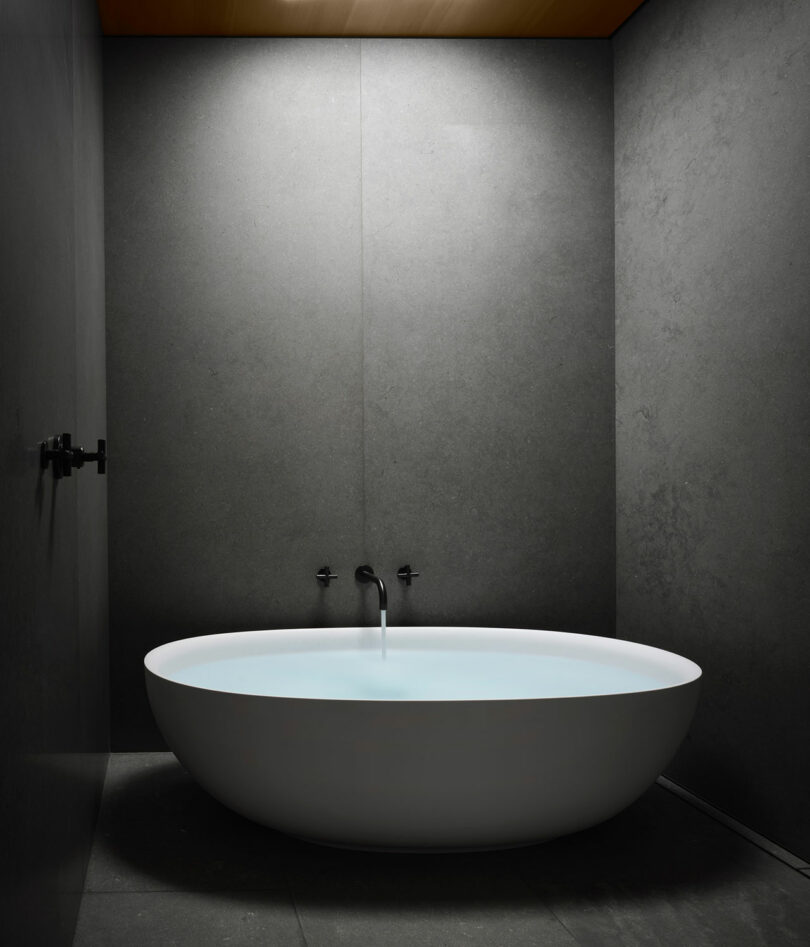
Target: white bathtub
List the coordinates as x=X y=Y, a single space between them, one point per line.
x=451 y=743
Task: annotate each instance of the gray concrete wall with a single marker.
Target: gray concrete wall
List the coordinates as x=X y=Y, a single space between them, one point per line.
x=713 y=390
x=53 y=581
x=488 y=296
x=360 y=309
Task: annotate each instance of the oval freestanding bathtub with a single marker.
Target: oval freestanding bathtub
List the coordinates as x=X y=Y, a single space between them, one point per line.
x=460 y=739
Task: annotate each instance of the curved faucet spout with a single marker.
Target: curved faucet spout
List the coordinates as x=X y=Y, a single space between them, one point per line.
x=366 y=574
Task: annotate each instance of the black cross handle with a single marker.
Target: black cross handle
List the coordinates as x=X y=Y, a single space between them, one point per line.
x=80 y=456
x=404 y=573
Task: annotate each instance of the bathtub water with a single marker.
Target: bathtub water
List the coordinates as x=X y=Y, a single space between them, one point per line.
x=460 y=739
x=415 y=675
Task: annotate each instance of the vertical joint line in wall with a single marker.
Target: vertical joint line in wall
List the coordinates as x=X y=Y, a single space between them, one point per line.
x=614 y=389
x=362 y=317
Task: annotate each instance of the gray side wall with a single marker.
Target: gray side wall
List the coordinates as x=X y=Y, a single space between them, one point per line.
x=360 y=309
x=713 y=388
x=53 y=581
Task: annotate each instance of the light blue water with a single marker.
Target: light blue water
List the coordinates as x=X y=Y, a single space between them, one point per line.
x=415 y=675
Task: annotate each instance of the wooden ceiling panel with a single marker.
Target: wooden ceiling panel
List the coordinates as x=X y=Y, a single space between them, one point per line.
x=547 y=18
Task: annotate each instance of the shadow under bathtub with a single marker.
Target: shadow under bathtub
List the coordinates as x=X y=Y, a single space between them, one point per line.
x=158 y=831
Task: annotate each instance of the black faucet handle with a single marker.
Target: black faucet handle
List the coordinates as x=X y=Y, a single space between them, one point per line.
x=100 y=456
x=405 y=573
x=79 y=456
x=325 y=575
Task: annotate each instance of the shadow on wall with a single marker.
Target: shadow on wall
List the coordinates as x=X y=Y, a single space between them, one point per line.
x=159 y=831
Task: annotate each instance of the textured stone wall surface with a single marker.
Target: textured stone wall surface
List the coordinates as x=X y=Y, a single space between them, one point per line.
x=54 y=674
x=712 y=166
x=360 y=304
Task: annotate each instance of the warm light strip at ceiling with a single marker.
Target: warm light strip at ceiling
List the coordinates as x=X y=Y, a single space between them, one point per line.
x=514 y=18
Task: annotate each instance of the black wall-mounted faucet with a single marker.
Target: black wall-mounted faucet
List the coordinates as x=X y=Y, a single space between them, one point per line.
x=59 y=454
x=64 y=457
x=366 y=574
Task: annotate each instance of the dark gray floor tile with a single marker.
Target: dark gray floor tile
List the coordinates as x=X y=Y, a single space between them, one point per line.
x=409 y=925
x=664 y=873
x=158 y=831
x=752 y=915
x=361 y=898
x=186 y=919
x=661 y=873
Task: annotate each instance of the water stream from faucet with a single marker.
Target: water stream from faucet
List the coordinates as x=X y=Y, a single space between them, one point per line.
x=382 y=631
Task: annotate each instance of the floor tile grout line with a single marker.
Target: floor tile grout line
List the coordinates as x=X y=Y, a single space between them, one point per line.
x=531 y=889
x=267 y=889
x=750 y=835
x=218 y=889
x=564 y=926
x=291 y=896
x=286 y=870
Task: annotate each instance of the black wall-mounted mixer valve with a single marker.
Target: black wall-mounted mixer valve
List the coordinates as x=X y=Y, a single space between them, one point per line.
x=325 y=575
x=64 y=457
x=405 y=573
x=59 y=454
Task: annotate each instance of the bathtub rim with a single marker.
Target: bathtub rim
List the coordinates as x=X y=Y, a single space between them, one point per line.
x=366 y=638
